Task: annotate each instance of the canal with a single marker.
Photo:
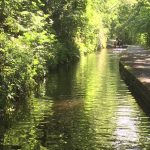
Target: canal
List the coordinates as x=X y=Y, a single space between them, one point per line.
x=85 y=106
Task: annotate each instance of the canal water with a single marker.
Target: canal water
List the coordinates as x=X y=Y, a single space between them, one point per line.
x=85 y=106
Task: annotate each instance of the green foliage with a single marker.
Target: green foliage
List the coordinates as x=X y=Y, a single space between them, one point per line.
x=36 y=35
x=26 y=45
x=132 y=22
x=77 y=24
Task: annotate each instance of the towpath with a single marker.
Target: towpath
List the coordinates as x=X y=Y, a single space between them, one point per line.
x=135 y=70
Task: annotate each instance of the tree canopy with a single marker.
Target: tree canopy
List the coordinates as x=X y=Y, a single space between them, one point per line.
x=131 y=22
x=38 y=34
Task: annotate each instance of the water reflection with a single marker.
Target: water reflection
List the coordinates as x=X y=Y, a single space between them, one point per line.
x=22 y=133
x=86 y=106
x=126 y=131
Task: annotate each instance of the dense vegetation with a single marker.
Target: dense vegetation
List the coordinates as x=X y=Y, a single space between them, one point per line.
x=131 y=22
x=38 y=34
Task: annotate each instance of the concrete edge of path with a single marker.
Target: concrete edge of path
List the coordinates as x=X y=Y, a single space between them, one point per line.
x=134 y=66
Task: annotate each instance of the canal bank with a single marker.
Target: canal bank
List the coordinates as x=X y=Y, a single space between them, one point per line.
x=134 y=67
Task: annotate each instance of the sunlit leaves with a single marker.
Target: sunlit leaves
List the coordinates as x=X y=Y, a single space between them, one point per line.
x=132 y=21
x=26 y=42
x=38 y=33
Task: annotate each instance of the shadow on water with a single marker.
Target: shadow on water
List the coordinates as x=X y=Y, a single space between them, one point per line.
x=10 y=115
x=61 y=82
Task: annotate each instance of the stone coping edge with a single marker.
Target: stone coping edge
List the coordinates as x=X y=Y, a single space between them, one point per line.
x=137 y=88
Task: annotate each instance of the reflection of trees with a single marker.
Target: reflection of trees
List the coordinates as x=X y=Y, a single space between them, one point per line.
x=100 y=96
x=85 y=122
x=68 y=127
x=61 y=83
x=23 y=130
x=10 y=114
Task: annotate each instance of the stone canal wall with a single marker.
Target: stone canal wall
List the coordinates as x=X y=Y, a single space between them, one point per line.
x=135 y=70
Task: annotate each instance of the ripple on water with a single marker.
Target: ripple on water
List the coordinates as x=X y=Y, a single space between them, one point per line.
x=88 y=107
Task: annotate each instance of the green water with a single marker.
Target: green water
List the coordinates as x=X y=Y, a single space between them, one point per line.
x=85 y=106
